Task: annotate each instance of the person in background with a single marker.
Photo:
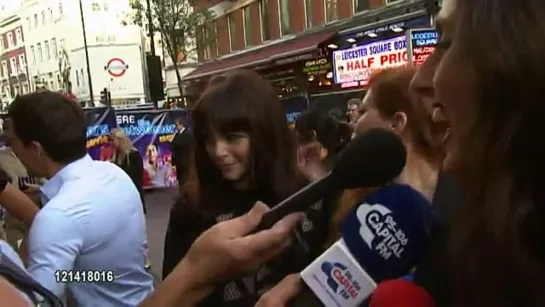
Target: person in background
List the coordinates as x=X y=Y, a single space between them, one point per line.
x=92 y=219
x=126 y=156
x=244 y=152
x=222 y=252
x=180 y=148
x=352 y=111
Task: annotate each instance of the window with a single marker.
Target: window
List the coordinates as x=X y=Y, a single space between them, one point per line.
x=50 y=12
x=331 y=10
x=215 y=37
x=35 y=20
x=47 y=50
x=13 y=65
x=28 y=23
x=10 y=40
x=247 y=16
x=361 y=5
x=82 y=76
x=43 y=18
x=77 y=77
x=232 y=31
x=308 y=13
x=32 y=54
x=40 y=54
x=54 y=48
x=22 y=61
x=61 y=12
x=19 y=37
x=265 y=24
x=105 y=5
x=95 y=7
x=205 y=42
x=284 y=17
x=4 y=68
x=62 y=43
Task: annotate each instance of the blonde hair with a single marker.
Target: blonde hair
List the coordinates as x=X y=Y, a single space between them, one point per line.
x=125 y=145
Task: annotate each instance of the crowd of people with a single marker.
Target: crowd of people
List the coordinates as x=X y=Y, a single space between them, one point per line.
x=469 y=118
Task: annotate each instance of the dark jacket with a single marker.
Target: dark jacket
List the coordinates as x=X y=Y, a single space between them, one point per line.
x=134 y=167
x=181 y=151
x=244 y=292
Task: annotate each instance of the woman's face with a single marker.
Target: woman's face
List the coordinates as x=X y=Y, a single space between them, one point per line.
x=152 y=153
x=455 y=84
x=230 y=153
x=370 y=117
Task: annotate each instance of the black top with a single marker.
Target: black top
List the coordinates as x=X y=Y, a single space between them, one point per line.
x=432 y=273
x=134 y=167
x=243 y=292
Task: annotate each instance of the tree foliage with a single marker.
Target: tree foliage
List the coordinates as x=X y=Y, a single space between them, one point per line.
x=180 y=26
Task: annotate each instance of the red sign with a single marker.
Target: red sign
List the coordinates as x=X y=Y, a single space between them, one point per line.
x=420 y=54
x=116 y=67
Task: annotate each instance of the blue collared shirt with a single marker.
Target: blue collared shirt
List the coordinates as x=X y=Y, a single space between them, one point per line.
x=92 y=222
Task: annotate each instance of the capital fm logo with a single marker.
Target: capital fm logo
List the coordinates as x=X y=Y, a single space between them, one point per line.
x=340 y=280
x=380 y=231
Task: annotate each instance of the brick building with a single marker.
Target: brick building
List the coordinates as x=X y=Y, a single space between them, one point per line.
x=293 y=40
x=13 y=69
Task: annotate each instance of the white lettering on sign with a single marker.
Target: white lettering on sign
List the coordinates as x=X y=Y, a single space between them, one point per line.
x=125 y=119
x=357 y=64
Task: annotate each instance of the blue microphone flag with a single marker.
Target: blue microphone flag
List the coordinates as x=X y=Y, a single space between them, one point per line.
x=388 y=232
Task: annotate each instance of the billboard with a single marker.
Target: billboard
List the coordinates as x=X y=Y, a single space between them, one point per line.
x=422 y=44
x=358 y=63
x=151 y=133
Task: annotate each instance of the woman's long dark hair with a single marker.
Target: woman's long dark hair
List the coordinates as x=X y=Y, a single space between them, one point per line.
x=498 y=258
x=243 y=101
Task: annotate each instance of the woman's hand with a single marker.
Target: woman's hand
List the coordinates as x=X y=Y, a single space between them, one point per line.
x=229 y=249
x=282 y=293
x=309 y=161
x=224 y=251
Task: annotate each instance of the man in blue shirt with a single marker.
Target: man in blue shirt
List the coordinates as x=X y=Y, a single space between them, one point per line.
x=90 y=236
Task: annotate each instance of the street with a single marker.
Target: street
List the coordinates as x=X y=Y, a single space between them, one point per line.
x=158 y=204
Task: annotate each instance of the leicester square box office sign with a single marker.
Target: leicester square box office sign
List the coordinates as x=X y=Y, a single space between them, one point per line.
x=422 y=44
x=358 y=63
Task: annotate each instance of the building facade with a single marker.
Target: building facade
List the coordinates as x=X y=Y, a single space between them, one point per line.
x=56 y=49
x=293 y=42
x=13 y=70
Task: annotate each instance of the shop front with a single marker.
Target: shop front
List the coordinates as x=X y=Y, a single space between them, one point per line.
x=282 y=63
x=363 y=48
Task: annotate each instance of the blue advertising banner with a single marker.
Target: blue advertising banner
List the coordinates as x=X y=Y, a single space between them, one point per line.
x=100 y=121
x=293 y=106
x=151 y=133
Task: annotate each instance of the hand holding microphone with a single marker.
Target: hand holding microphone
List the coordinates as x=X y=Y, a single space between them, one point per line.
x=383 y=238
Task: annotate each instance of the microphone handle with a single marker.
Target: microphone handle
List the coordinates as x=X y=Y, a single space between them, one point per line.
x=298 y=202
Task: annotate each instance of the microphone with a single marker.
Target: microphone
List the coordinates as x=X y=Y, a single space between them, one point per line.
x=370 y=160
x=383 y=238
x=400 y=293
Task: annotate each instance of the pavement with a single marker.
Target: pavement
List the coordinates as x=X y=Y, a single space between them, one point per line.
x=158 y=204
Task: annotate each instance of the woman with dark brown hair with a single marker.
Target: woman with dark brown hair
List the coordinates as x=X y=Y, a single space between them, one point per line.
x=244 y=153
x=489 y=84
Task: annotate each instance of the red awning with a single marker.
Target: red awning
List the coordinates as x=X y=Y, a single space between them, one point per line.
x=261 y=56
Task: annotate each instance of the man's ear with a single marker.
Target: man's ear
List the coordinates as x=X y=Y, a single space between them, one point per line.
x=399 y=122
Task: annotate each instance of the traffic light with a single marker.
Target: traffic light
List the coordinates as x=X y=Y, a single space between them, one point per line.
x=105 y=97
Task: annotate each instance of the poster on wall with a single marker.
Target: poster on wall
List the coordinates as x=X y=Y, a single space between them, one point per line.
x=293 y=106
x=422 y=44
x=100 y=121
x=151 y=133
x=355 y=65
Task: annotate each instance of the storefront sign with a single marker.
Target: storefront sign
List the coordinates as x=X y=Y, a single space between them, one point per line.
x=422 y=44
x=357 y=64
x=317 y=67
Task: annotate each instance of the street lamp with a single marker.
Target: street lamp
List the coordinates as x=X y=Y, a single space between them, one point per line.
x=90 y=80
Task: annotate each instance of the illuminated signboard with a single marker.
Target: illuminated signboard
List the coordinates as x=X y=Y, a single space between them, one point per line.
x=422 y=44
x=355 y=65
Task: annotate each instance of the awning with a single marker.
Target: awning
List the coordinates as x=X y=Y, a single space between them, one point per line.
x=262 y=56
